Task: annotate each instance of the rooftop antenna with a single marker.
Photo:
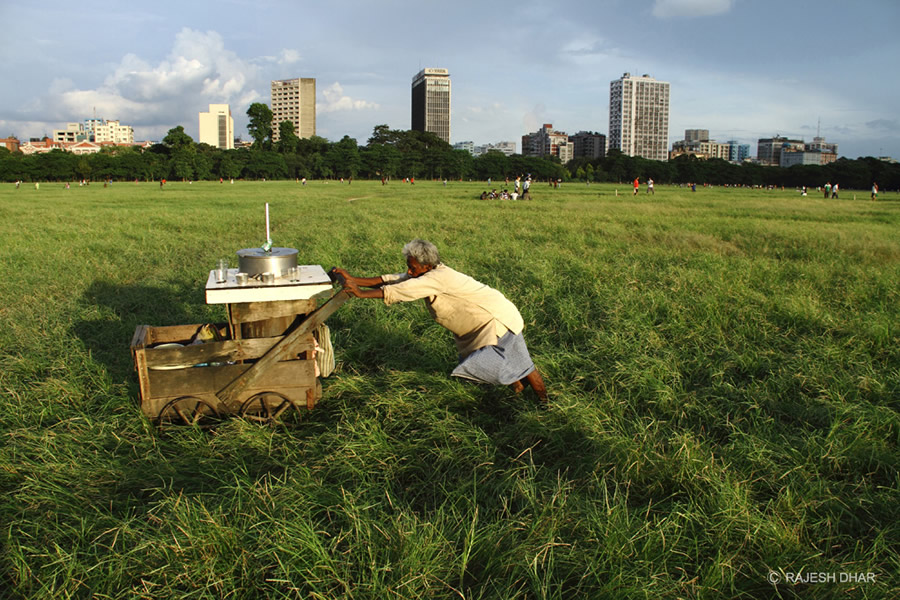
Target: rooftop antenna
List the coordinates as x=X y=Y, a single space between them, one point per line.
x=819 y=127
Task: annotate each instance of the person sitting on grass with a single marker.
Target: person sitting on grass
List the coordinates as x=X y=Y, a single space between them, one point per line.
x=486 y=326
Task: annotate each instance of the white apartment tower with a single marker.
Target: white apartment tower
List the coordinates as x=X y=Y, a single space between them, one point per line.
x=217 y=127
x=115 y=132
x=639 y=116
x=294 y=100
x=431 y=102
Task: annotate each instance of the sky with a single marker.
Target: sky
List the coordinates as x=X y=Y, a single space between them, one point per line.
x=743 y=69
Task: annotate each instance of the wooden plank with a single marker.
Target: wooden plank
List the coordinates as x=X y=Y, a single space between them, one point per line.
x=268 y=328
x=227 y=351
x=167 y=334
x=281 y=351
x=297 y=394
x=200 y=381
x=244 y=312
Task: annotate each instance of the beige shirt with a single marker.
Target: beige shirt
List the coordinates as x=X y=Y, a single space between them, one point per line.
x=476 y=314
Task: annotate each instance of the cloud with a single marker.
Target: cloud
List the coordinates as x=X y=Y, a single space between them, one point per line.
x=335 y=101
x=287 y=56
x=584 y=50
x=198 y=71
x=666 y=9
x=884 y=125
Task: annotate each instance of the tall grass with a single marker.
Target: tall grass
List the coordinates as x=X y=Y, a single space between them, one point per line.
x=723 y=365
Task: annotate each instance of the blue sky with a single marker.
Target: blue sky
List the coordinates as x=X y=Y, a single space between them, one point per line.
x=743 y=69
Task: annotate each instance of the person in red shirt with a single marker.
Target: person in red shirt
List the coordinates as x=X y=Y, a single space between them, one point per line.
x=637 y=185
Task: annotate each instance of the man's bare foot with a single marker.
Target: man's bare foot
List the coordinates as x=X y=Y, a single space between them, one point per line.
x=536 y=382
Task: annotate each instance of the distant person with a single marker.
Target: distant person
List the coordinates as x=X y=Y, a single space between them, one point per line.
x=827 y=190
x=637 y=185
x=834 y=192
x=486 y=326
x=874 y=192
x=526 y=188
x=518 y=183
x=650 y=187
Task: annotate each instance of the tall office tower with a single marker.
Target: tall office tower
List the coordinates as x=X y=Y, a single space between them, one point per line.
x=639 y=116
x=217 y=127
x=294 y=100
x=431 y=102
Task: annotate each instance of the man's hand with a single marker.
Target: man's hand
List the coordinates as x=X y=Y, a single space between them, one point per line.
x=339 y=275
x=351 y=288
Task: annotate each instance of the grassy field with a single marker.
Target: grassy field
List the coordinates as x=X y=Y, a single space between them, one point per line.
x=724 y=369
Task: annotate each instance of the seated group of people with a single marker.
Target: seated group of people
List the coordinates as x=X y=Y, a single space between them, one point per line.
x=494 y=195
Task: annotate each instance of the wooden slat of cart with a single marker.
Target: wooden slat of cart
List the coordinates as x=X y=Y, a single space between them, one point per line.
x=220 y=352
x=245 y=312
x=294 y=379
x=281 y=351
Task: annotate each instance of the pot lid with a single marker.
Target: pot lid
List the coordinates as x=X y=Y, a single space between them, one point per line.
x=260 y=253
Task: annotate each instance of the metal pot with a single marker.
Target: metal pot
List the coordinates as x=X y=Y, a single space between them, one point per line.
x=254 y=261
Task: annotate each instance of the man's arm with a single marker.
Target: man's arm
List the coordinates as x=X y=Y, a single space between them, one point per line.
x=352 y=288
x=352 y=284
x=359 y=281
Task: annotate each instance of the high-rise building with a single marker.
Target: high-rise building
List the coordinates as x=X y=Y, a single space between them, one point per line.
x=696 y=135
x=294 y=100
x=639 y=116
x=217 y=127
x=589 y=144
x=431 y=102
x=768 y=150
x=546 y=141
x=113 y=131
x=737 y=152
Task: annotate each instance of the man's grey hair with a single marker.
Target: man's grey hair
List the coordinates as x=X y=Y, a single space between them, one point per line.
x=423 y=251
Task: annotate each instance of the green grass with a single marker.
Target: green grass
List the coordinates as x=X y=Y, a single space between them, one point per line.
x=724 y=367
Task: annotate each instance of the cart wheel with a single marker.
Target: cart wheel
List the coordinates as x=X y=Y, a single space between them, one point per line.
x=188 y=410
x=268 y=408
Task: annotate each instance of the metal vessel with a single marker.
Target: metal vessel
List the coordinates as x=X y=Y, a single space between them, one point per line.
x=254 y=261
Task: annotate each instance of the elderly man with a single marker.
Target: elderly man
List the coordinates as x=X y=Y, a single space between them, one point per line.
x=486 y=326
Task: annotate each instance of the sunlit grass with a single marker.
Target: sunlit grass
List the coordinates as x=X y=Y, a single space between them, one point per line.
x=724 y=369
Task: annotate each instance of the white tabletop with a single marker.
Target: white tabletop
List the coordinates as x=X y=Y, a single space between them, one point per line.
x=313 y=283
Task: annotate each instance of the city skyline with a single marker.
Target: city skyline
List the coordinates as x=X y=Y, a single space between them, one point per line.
x=742 y=70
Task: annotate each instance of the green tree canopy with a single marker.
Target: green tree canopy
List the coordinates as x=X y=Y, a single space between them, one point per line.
x=178 y=139
x=260 y=125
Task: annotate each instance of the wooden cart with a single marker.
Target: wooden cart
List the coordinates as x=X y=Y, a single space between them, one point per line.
x=262 y=368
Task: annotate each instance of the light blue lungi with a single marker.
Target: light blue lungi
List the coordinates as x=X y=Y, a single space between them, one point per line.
x=503 y=364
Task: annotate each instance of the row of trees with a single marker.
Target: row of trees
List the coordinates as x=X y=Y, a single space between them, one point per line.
x=392 y=153
x=850 y=174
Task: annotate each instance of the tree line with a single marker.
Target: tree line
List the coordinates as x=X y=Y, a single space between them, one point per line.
x=392 y=153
